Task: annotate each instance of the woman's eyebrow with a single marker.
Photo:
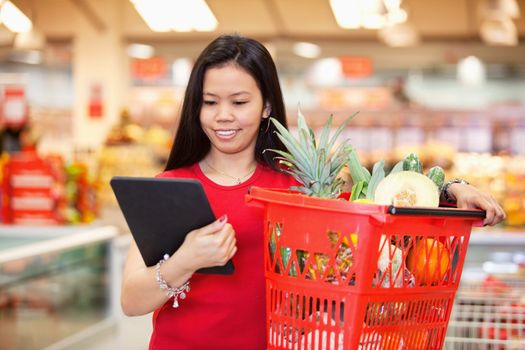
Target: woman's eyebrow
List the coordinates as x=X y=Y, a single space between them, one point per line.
x=211 y=94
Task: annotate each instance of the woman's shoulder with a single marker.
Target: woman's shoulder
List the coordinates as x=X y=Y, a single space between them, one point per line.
x=184 y=172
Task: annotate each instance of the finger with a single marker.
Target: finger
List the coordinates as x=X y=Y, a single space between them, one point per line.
x=214 y=227
x=224 y=234
x=233 y=251
x=499 y=213
x=490 y=211
x=231 y=245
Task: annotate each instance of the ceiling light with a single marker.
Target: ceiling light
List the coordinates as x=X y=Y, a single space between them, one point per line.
x=499 y=31
x=508 y=8
x=140 y=51
x=399 y=35
x=471 y=71
x=347 y=13
x=14 y=19
x=325 y=72
x=374 y=21
x=307 y=50
x=177 y=15
x=392 y=4
x=369 y=14
x=397 y=16
x=32 y=40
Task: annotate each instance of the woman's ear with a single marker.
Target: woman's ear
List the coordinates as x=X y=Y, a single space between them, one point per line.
x=267 y=111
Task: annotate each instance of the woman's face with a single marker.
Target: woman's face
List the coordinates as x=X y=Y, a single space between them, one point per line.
x=232 y=109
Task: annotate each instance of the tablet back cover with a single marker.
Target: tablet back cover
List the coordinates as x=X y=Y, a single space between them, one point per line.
x=161 y=211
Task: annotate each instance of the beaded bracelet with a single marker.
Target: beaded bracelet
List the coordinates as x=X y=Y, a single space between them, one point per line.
x=176 y=293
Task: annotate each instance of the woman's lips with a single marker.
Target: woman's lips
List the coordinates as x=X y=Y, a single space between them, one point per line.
x=226 y=134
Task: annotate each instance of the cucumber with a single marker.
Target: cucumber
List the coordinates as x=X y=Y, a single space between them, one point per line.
x=437 y=174
x=412 y=163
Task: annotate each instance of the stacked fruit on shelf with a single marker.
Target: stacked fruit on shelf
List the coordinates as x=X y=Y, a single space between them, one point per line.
x=501 y=176
x=46 y=191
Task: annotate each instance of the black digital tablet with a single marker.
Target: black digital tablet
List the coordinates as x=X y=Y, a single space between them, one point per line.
x=161 y=211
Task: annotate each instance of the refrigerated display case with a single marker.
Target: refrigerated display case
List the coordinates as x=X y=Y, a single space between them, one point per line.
x=57 y=285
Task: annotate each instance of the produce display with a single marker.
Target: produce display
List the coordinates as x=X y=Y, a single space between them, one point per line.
x=502 y=176
x=47 y=191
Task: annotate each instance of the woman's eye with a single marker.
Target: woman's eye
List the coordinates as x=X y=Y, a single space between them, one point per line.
x=240 y=102
x=209 y=103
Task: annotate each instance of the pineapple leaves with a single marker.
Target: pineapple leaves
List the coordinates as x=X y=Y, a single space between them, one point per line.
x=316 y=164
x=378 y=174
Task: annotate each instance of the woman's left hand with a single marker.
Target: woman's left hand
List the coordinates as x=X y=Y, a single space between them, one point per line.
x=469 y=197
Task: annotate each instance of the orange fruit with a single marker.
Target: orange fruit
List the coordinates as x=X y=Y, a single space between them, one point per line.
x=428 y=261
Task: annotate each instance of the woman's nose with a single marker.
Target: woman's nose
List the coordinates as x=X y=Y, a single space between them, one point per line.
x=224 y=113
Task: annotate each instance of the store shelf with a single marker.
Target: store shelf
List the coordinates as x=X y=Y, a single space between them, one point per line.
x=498 y=237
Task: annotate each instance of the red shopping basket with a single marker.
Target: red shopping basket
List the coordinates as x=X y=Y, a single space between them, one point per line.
x=343 y=275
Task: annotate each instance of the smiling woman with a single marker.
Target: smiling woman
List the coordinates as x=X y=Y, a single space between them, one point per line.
x=223 y=132
x=231 y=116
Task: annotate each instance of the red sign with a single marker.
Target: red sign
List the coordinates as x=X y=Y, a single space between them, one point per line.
x=15 y=109
x=96 y=101
x=356 y=66
x=151 y=68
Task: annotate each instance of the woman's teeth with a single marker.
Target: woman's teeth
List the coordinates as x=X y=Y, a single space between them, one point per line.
x=225 y=132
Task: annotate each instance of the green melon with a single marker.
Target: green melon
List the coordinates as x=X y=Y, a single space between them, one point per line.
x=407 y=189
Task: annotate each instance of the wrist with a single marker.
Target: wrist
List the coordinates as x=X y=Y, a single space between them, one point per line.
x=176 y=271
x=176 y=293
x=447 y=191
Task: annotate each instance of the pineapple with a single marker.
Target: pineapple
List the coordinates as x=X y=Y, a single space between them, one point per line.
x=314 y=164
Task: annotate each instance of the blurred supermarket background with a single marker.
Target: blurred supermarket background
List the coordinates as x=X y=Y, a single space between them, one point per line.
x=90 y=89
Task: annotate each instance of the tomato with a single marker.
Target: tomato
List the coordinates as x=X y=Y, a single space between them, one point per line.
x=428 y=261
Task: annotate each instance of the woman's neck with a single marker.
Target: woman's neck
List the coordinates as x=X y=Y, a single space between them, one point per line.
x=226 y=170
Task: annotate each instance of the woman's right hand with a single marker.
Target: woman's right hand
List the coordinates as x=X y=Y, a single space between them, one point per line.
x=211 y=245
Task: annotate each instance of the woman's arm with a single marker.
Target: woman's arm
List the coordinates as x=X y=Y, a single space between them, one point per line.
x=212 y=245
x=467 y=196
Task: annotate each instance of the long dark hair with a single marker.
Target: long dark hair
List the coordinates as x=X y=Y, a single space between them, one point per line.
x=191 y=143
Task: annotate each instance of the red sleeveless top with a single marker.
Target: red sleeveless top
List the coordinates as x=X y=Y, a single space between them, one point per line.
x=223 y=312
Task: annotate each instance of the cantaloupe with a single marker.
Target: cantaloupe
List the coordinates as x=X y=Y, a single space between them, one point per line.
x=407 y=189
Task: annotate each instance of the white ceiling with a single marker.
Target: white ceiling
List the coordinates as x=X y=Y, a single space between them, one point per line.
x=448 y=28
x=434 y=19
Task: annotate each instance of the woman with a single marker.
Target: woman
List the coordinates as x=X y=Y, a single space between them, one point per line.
x=224 y=128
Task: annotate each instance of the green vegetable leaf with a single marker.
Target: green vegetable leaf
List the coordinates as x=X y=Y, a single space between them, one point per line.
x=357 y=171
x=357 y=189
x=398 y=167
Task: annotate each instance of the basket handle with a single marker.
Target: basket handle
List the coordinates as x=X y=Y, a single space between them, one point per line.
x=464 y=213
